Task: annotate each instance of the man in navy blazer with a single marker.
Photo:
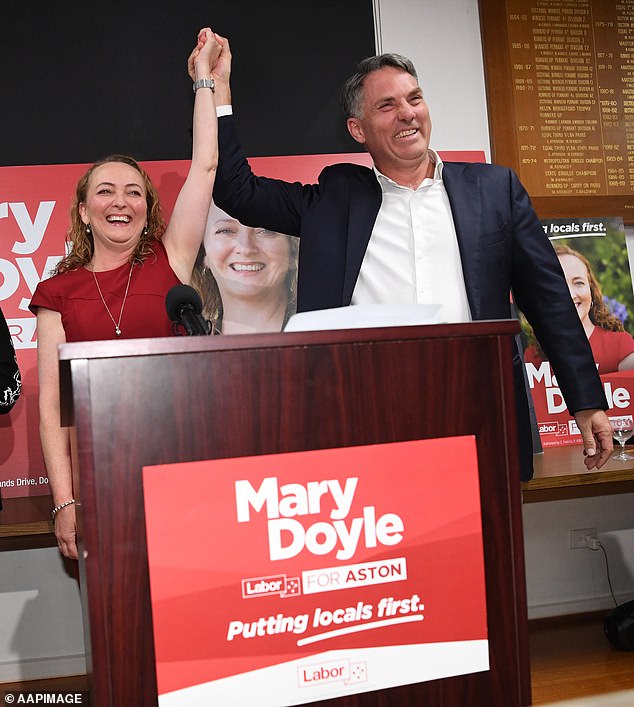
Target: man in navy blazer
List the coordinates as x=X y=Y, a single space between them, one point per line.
x=360 y=239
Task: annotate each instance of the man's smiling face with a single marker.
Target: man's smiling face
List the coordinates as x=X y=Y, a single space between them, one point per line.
x=395 y=125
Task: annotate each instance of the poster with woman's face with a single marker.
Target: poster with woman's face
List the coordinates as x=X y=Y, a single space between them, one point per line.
x=246 y=276
x=594 y=258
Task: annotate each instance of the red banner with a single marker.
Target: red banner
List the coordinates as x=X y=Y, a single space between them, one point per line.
x=311 y=574
x=34 y=218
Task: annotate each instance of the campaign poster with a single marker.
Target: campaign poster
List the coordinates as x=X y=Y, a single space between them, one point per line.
x=288 y=578
x=34 y=219
x=594 y=257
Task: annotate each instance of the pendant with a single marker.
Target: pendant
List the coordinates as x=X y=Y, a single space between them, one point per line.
x=117 y=331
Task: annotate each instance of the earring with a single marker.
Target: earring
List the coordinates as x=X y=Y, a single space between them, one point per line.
x=88 y=229
x=145 y=230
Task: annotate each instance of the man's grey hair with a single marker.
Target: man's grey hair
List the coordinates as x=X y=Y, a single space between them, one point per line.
x=352 y=92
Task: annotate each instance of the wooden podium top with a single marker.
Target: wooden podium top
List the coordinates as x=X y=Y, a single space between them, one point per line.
x=192 y=344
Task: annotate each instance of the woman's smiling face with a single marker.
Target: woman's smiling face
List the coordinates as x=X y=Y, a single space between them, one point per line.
x=578 y=282
x=245 y=261
x=116 y=205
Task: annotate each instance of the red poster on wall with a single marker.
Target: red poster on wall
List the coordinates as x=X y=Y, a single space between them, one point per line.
x=594 y=259
x=34 y=218
x=307 y=575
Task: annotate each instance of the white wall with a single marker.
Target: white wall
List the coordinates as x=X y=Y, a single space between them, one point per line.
x=442 y=38
x=41 y=631
x=565 y=581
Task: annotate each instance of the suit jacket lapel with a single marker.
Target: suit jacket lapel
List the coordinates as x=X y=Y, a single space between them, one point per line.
x=364 y=205
x=466 y=208
x=464 y=198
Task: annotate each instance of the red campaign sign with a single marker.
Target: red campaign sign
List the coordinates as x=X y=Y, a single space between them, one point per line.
x=556 y=426
x=321 y=573
x=34 y=218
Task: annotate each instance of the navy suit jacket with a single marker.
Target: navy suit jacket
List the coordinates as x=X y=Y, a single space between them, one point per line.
x=502 y=245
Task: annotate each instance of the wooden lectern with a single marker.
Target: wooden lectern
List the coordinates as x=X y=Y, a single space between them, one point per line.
x=155 y=401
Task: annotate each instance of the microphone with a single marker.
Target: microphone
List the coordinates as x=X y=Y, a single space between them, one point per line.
x=184 y=308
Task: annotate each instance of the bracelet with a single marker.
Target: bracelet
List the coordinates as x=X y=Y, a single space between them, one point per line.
x=204 y=83
x=55 y=510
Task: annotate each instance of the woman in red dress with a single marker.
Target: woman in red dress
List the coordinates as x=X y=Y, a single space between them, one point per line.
x=122 y=263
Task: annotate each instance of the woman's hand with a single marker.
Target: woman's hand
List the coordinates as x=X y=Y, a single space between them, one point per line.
x=205 y=55
x=66 y=531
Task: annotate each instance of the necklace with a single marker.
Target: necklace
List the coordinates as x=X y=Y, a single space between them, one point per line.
x=117 y=324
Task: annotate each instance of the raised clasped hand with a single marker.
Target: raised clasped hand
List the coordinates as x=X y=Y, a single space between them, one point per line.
x=211 y=54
